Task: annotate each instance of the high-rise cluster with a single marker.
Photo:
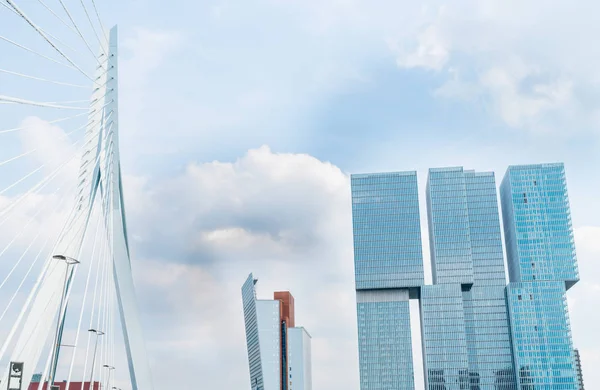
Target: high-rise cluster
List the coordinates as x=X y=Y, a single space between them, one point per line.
x=476 y=332
x=279 y=353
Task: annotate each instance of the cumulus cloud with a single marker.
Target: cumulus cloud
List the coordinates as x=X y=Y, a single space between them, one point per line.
x=493 y=43
x=286 y=218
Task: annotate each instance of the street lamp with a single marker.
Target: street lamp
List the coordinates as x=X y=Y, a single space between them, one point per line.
x=69 y=261
x=110 y=368
x=98 y=334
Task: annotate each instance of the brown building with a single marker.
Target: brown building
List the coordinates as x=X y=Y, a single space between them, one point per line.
x=287 y=312
x=287 y=319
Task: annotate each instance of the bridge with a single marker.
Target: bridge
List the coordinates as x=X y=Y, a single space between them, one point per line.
x=68 y=304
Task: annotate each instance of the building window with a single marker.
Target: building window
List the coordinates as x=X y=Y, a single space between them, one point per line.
x=520 y=297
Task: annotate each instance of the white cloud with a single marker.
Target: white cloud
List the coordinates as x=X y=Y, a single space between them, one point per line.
x=285 y=217
x=52 y=146
x=432 y=51
x=493 y=42
x=518 y=108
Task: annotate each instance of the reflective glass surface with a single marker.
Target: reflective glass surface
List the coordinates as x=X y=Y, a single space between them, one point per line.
x=542 y=345
x=537 y=224
x=449 y=235
x=486 y=318
x=384 y=340
x=466 y=248
x=387 y=230
x=250 y=320
x=445 y=358
x=542 y=265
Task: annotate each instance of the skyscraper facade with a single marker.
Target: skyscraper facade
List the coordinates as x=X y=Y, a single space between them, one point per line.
x=388 y=271
x=299 y=359
x=477 y=332
x=277 y=350
x=467 y=300
x=542 y=266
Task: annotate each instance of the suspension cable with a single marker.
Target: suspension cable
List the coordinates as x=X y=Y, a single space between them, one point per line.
x=57 y=17
x=43 y=35
x=91 y=24
x=35 y=52
x=59 y=204
x=65 y=135
x=42 y=79
x=77 y=28
x=100 y=21
x=49 y=122
x=38 y=104
x=38 y=256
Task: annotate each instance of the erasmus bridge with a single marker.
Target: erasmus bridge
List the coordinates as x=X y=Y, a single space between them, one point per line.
x=68 y=308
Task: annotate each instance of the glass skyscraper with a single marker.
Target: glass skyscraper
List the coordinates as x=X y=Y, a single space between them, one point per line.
x=387 y=231
x=445 y=359
x=467 y=304
x=542 y=266
x=388 y=270
x=477 y=333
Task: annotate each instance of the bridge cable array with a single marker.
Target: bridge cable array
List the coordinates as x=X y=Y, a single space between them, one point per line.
x=56 y=240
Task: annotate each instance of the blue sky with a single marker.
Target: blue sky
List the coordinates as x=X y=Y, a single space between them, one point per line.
x=241 y=121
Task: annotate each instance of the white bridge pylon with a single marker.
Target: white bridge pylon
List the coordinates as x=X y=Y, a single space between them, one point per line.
x=99 y=180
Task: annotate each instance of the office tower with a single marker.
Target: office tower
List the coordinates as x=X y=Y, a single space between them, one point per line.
x=579 y=371
x=542 y=266
x=276 y=349
x=465 y=332
x=388 y=264
x=299 y=359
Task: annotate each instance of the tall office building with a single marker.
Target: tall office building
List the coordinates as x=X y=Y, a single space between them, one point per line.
x=477 y=333
x=542 y=266
x=278 y=352
x=388 y=265
x=465 y=332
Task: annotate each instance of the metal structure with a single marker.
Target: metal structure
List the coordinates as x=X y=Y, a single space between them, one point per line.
x=42 y=321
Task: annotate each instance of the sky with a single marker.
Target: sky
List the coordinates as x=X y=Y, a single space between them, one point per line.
x=241 y=121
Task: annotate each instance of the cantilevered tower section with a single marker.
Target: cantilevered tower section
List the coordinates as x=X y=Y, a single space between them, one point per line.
x=542 y=267
x=388 y=266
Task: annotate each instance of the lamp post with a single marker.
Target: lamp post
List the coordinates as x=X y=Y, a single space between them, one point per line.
x=98 y=334
x=69 y=261
x=110 y=368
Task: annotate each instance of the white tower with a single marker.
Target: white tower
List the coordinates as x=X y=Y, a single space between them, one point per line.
x=99 y=176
